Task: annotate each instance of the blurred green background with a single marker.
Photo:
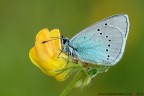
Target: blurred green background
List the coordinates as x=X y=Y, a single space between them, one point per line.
x=20 y=20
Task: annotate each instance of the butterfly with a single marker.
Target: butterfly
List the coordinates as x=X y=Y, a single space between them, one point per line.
x=103 y=43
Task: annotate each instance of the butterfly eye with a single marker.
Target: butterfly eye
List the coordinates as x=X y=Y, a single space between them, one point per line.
x=64 y=41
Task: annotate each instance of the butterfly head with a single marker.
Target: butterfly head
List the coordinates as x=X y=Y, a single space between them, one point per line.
x=64 y=42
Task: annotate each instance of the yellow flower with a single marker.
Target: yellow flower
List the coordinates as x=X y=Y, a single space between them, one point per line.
x=45 y=54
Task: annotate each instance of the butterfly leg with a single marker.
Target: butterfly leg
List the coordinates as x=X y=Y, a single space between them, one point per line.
x=85 y=64
x=68 y=56
x=74 y=57
x=75 y=60
x=60 y=52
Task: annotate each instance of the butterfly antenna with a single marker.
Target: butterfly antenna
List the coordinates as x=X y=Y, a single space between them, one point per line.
x=55 y=38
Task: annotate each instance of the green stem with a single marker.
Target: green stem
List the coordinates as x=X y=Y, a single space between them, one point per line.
x=72 y=84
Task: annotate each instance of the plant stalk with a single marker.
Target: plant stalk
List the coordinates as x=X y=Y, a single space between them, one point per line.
x=72 y=83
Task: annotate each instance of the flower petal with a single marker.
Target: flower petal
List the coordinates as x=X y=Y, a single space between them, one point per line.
x=43 y=46
x=34 y=58
x=55 y=37
x=46 y=67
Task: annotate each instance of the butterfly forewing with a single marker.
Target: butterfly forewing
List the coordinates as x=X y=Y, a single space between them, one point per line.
x=102 y=43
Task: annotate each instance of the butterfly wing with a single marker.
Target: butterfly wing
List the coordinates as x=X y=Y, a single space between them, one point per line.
x=102 y=43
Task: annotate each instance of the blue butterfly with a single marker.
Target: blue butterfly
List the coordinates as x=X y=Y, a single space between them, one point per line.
x=102 y=43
